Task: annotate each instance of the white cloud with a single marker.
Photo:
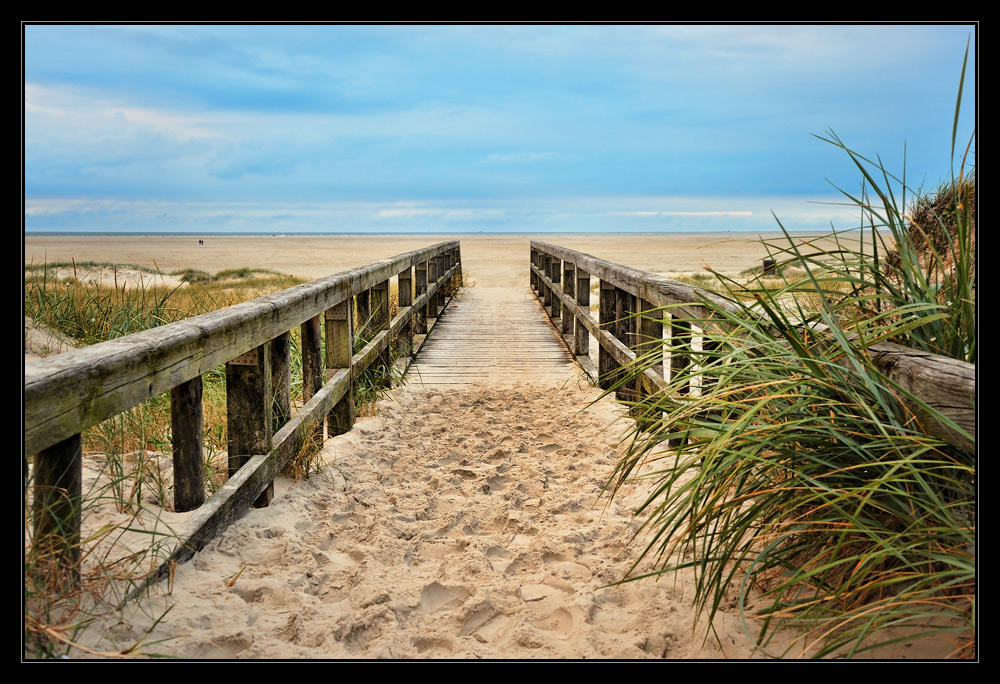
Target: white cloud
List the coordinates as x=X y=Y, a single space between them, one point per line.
x=442 y=214
x=77 y=113
x=178 y=127
x=682 y=213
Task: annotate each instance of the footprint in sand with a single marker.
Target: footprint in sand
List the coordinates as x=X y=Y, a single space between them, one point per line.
x=224 y=648
x=559 y=621
x=433 y=646
x=481 y=621
x=436 y=597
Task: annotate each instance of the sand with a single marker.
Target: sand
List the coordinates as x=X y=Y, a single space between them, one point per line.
x=455 y=524
x=314 y=257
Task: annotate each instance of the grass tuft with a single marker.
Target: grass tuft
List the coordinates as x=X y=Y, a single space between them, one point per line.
x=804 y=490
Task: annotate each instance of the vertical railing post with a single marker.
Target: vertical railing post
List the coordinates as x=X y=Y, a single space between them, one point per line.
x=607 y=366
x=625 y=329
x=541 y=265
x=649 y=344
x=680 y=358
x=546 y=293
x=311 y=334
x=432 y=277
x=456 y=260
x=404 y=345
x=248 y=409
x=533 y=261
x=555 y=273
x=57 y=483
x=339 y=352
x=680 y=350
x=569 y=289
x=439 y=276
x=710 y=354
x=581 y=338
x=380 y=321
x=364 y=312
x=281 y=380
x=420 y=289
x=186 y=437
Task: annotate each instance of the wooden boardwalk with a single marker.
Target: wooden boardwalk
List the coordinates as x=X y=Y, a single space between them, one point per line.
x=493 y=335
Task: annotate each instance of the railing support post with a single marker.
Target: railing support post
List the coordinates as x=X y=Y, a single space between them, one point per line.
x=581 y=338
x=364 y=313
x=555 y=266
x=311 y=334
x=710 y=355
x=420 y=288
x=380 y=321
x=650 y=343
x=625 y=329
x=57 y=490
x=569 y=289
x=532 y=261
x=339 y=352
x=545 y=267
x=607 y=366
x=404 y=345
x=680 y=358
x=248 y=409
x=186 y=430
x=432 y=278
x=680 y=350
x=281 y=380
x=439 y=277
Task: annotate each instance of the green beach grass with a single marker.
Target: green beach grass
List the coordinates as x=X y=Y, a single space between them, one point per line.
x=804 y=490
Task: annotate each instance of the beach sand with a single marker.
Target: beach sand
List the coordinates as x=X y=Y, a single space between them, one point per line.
x=455 y=524
x=313 y=257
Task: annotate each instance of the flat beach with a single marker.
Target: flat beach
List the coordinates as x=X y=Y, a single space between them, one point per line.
x=484 y=256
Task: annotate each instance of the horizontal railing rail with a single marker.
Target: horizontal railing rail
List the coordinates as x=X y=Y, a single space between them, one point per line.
x=631 y=319
x=66 y=394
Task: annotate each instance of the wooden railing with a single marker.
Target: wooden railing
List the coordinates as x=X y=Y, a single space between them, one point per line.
x=66 y=394
x=561 y=279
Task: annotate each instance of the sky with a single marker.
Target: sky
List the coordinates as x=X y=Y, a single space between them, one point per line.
x=456 y=129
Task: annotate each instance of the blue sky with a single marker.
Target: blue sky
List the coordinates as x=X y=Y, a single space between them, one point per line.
x=477 y=128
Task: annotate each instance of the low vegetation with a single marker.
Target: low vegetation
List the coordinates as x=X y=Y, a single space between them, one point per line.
x=804 y=491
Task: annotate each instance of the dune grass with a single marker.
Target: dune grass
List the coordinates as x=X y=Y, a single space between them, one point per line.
x=804 y=490
x=130 y=447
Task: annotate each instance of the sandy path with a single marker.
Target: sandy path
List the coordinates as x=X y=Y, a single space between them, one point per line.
x=462 y=524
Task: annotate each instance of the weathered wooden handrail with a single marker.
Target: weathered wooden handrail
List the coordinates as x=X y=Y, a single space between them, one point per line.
x=945 y=385
x=66 y=394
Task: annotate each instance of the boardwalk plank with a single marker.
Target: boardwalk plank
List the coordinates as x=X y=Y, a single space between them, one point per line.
x=493 y=335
